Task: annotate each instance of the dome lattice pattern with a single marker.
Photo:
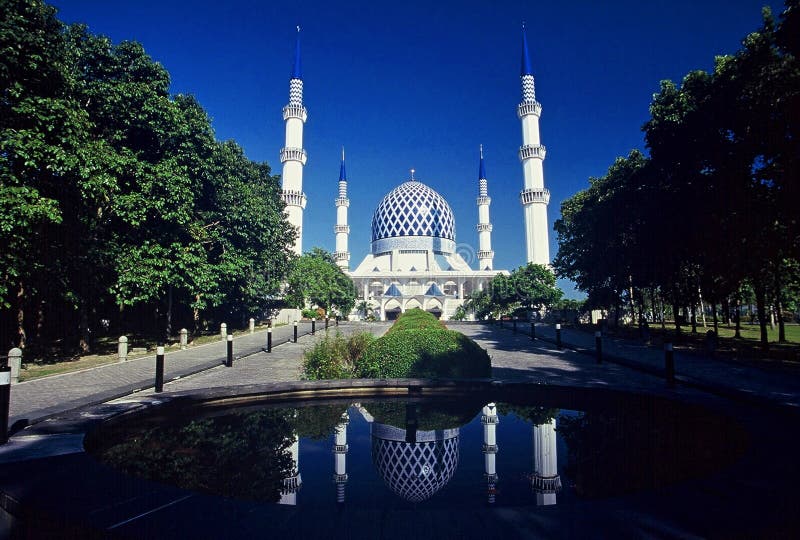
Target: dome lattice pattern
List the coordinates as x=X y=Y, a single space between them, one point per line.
x=413 y=209
x=415 y=471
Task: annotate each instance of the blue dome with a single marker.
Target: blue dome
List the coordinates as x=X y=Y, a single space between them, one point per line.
x=413 y=209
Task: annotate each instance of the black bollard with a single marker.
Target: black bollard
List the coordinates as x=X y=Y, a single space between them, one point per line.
x=533 y=331
x=558 y=335
x=5 y=399
x=515 y=325
x=160 y=368
x=598 y=345
x=295 y=331
x=326 y=323
x=313 y=326
x=336 y=320
x=229 y=360
x=669 y=364
x=269 y=340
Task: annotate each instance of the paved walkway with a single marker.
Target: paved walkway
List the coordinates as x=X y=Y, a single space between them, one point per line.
x=514 y=356
x=735 y=379
x=39 y=398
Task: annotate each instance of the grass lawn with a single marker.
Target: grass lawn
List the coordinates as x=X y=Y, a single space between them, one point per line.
x=107 y=354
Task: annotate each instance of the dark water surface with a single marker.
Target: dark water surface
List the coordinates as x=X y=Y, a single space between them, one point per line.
x=459 y=453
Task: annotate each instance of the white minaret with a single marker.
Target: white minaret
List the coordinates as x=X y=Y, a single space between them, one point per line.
x=293 y=157
x=291 y=484
x=340 y=455
x=534 y=197
x=342 y=229
x=545 y=480
x=485 y=253
x=489 y=419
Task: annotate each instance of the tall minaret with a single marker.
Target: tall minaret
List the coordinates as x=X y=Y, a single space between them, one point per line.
x=293 y=157
x=545 y=480
x=292 y=483
x=485 y=253
x=489 y=419
x=340 y=457
x=534 y=197
x=342 y=229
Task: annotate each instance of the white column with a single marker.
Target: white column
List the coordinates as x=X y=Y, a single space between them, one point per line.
x=342 y=229
x=489 y=419
x=534 y=197
x=545 y=480
x=292 y=483
x=340 y=457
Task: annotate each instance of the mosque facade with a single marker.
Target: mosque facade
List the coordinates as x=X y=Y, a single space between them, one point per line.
x=415 y=261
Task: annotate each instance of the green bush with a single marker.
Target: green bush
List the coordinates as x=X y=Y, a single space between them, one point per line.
x=334 y=357
x=416 y=319
x=423 y=352
x=310 y=314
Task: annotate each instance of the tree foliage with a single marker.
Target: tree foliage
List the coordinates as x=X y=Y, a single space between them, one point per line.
x=714 y=205
x=116 y=200
x=315 y=279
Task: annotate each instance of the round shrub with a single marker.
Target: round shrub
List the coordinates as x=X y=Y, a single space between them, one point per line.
x=424 y=353
x=416 y=319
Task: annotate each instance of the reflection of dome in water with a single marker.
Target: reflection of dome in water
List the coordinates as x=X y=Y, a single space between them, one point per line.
x=412 y=209
x=414 y=470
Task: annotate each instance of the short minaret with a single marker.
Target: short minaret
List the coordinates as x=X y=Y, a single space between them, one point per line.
x=534 y=197
x=545 y=480
x=293 y=156
x=485 y=253
x=340 y=456
x=342 y=229
x=489 y=419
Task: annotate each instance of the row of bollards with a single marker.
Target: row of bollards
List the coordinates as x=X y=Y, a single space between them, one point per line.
x=669 y=356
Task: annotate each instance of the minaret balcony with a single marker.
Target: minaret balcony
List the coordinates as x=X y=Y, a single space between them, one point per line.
x=293 y=154
x=292 y=484
x=529 y=107
x=545 y=484
x=340 y=449
x=294 y=198
x=342 y=201
x=484 y=227
x=528 y=151
x=341 y=255
x=340 y=478
x=486 y=419
x=293 y=110
x=484 y=200
x=491 y=477
x=485 y=254
x=341 y=229
x=490 y=448
x=529 y=196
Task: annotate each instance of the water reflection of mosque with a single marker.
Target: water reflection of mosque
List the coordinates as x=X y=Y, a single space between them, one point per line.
x=416 y=464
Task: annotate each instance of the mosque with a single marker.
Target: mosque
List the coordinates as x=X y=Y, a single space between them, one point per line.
x=415 y=261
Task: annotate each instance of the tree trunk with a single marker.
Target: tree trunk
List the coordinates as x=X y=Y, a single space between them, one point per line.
x=761 y=307
x=716 y=321
x=781 y=327
x=738 y=317
x=694 y=317
x=677 y=319
x=726 y=310
x=83 y=329
x=169 y=312
x=196 y=317
x=21 y=337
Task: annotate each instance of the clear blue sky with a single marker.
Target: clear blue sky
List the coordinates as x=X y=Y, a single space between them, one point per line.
x=421 y=84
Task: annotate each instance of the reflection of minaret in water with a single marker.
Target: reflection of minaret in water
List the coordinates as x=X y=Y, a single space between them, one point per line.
x=489 y=419
x=339 y=455
x=545 y=480
x=291 y=484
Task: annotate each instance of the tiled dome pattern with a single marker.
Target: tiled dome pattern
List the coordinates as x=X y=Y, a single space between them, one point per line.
x=415 y=471
x=413 y=209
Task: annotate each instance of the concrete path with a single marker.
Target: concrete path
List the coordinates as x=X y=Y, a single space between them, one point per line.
x=39 y=398
x=736 y=379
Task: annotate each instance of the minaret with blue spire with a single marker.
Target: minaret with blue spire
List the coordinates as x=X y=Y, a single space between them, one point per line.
x=485 y=253
x=534 y=197
x=293 y=156
x=342 y=229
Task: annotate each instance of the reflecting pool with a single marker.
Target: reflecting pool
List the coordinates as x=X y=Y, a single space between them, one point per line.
x=469 y=451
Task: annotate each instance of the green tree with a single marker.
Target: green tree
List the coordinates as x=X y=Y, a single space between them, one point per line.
x=316 y=279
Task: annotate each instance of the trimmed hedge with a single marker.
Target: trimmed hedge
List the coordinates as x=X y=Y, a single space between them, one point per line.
x=418 y=345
